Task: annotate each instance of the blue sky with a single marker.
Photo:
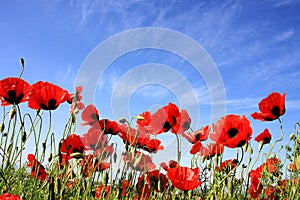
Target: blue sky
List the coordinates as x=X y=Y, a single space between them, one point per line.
x=254 y=44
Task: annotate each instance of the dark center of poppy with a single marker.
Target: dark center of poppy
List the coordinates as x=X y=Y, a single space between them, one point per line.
x=186 y=125
x=166 y=125
x=51 y=105
x=232 y=132
x=266 y=140
x=275 y=111
x=13 y=98
x=94 y=116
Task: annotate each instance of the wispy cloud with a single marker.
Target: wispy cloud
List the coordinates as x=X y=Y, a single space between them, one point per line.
x=280 y=3
x=285 y=35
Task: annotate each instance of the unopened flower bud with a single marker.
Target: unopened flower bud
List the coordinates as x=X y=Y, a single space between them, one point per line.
x=245 y=147
x=140 y=117
x=24 y=136
x=292 y=136
x=50 y=157
x=12 y=113
x=250 y=150
x=22 y=62
x=2 y=127
x=9 y=148
x=73 y=118
x=122 y=120
x=260 y=146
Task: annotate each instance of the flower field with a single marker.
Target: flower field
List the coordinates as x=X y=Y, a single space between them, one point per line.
x=82 y=165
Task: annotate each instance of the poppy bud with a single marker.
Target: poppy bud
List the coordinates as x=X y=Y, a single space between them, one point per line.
x=273 y=155
x=122 y=120
x=12 y=113
x=249 y=161
x=73 y=118
x=9 y=148
x=115 y=157
x=250 y=150
x=22 y=62
x=50 y=157
x=216 y=160
x=24 y=136
x=281 y=147
x=2 y=127
x=292 y=136
x=297 y=162
x=44 y=146
x=140 y=117
x=105 y=178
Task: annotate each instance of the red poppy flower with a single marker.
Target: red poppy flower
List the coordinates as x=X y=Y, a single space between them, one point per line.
x=8 y=196
x=146 y=119
x=13 y=91
x=232 y=131
x=196 y=148
x=37 y=170
x=271 y=107
x=264 y=137
x=227 y=165
x=140 y=161
x=152 y=146
x=183 y=122
x=104 y=152
x=163 y=119
x=211 y=150
x=184 y=178
x=130 y=136
x=255 y=186
x=272 y=164
x=199 y=135
x=94 y=139
x=125 y=185
x=90 y=115
x=46 y=96
x=102 y=191
x=143 y=189
x=172 y=164
x=75 y=101
x=90 y=164
x=72 y=144
x=157 y=180
x=108 y=127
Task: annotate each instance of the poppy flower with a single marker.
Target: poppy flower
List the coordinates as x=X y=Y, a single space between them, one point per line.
x=133 y=137
x=171 y=164
x=72 y=144
x=37 y=170
x=13 y=91
x=139 y=161
x=152 y=146
x=255 y=186
x=264 y=137
x=183 y=122
x=102 y=191
x=271 y=107
x=184 y=178
x=108 y=127
x=227 y=165
x=232 y=131
x=157 y=180
x=94 y=139
x=125 y=185
x=272 y=164
x=8 y=196
x=75 y=101
x=211 y=150
x=142 y=188
x=90 y=115
x=89 y=164
x=146 y=119
x=199 y=135
x=163 y=119
x=46 y=96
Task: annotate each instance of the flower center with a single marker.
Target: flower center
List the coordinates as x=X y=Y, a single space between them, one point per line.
x=232 y=132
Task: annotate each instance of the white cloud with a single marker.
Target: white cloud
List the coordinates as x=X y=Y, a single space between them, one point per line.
x=284 y=36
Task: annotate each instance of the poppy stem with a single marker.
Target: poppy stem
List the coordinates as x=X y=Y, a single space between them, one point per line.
x=178 y=149
x=280 y=139
x=242 y=157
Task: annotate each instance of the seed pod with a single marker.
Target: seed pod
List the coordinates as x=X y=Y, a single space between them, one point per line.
x=12 y=113
x=122 y=120
x=24 y=136
x=2 y=127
